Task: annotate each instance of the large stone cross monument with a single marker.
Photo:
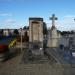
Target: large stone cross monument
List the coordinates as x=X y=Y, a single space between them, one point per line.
x=52 y=34
x=53 y=18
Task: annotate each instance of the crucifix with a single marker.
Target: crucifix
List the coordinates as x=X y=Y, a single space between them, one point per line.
x=53 y=18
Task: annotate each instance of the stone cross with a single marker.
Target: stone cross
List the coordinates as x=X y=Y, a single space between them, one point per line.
x=53 y=18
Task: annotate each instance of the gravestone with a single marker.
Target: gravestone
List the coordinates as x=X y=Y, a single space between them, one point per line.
x=52 y=34
x=36 y=32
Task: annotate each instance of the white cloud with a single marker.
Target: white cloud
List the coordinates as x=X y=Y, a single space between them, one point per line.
x=67 y=23
x=69 y=16
x=5 y=14
x=9 y=21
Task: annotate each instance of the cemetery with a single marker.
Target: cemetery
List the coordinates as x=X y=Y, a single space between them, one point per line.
x=37 y=45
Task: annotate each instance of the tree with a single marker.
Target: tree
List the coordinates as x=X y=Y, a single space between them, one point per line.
x=26 y=37
x=67 y=32
x=26 y=27
x=16 y=32
x=44 y=28
x=1 y=32
x=72 y=32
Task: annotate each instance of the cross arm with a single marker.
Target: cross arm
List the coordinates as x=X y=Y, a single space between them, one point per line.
x=51 y=18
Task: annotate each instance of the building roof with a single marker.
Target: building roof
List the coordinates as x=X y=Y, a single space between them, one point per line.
x=36 y=18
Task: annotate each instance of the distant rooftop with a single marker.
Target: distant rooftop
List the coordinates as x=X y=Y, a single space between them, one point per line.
x=36 y=18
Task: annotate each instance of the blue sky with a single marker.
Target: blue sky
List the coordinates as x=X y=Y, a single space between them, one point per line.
x=15 y=13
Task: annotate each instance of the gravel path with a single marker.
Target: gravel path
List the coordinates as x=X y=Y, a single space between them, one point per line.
x=15 y=67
